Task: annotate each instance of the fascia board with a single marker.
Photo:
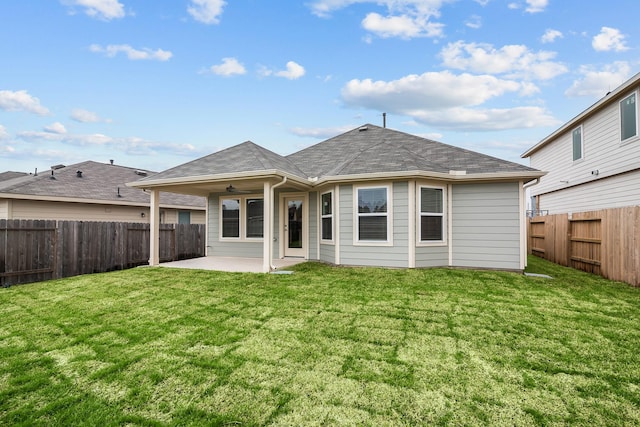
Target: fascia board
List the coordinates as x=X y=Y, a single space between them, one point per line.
x=264 y=174
x=447 y=177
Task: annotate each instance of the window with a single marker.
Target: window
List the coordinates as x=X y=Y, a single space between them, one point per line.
x=242 y=217
x=255 y=218
x=184 y=217
x=577 y=143
x=230 y=218
x=432 y=220
x=628 y=122
x=327 y=216
x=373 y=215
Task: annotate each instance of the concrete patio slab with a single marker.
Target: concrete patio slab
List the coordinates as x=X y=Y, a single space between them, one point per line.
x=232 y=264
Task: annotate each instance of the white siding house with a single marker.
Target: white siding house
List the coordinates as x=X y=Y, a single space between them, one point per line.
x=593 y=161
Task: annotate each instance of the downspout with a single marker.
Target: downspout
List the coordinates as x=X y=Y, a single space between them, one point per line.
x=271 y=215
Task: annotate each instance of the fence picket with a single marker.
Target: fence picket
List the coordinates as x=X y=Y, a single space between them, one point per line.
x=605 y=242
x=36 y=250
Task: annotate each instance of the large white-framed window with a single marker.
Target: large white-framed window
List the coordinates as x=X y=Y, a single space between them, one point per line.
x=241 y=218
x=326 y=215
x=373 y=219
x=628 y=117
x=577 y=143
x=432 y=215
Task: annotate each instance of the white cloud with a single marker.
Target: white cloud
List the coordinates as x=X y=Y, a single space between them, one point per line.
x=294 y=71
x=432 y=90
x=57 y=128
x=445 y=100
x=405 y=18
x=206 y=11
x=474 y=22
x=477 y=120
x=535 y=6
x=511 y=60
x=129 y=145
x=101 y=9
x=229 y=67
x=21 y=101
x=609 y=39
x=320 y=133
x=596 y=83
x=84 y=116
x=134 y=54
x=402 y=26
x=3 y=133
x=550 y=36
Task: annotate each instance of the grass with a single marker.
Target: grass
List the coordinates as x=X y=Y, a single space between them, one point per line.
x=324 y=346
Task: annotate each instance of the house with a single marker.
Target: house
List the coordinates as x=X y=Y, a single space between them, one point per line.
x=593 y=160
x=90 y=191
x=369 y=197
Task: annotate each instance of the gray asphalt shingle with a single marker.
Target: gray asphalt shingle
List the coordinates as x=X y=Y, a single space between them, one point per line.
x=366 y=149
x=99 y=181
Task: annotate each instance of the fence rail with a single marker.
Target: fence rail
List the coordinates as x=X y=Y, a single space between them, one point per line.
x=605 y=242
x=36 y=250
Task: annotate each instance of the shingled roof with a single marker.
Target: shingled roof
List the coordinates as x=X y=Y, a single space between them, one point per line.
x=245 y=157
x=368 y=149
x=92 y=181
x=372 y=148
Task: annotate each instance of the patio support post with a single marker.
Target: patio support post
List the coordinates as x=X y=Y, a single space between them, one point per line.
x=154 y=223
x=266 y=229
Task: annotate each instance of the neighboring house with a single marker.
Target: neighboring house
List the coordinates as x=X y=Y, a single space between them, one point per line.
x=593 y=161
x=90 y=191
x=371 y=196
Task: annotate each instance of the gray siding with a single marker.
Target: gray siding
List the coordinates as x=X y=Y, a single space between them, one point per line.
x=216 y=247
x=383 y=256
x=328 y=253
x=432 y=256
x=486 y=225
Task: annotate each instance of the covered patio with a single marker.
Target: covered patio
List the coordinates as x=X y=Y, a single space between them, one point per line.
x=232 y=264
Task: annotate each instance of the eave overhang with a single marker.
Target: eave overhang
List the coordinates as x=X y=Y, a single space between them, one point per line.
x=187 y=184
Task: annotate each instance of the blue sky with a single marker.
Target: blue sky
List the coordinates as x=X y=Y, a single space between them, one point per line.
x=153 y=84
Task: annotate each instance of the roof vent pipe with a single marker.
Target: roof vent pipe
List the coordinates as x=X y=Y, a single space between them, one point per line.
x=111 y=161
x=384 y=120
x=79 y=174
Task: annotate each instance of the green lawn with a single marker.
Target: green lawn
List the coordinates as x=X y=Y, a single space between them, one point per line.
x=323 y=346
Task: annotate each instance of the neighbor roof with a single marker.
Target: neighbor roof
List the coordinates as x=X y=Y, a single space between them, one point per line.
x=368 y=149
x=97 y=182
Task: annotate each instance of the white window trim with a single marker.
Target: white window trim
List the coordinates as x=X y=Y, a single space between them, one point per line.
x=243 y=218
x=332 y=216
x=419 y=215
x=581 y=158
x=635 y=137
x=389 y=214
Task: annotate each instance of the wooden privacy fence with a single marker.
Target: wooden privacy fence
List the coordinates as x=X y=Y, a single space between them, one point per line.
x=605 y=242
x=36 y=250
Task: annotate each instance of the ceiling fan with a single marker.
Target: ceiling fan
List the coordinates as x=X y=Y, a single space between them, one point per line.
x=234 y=190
